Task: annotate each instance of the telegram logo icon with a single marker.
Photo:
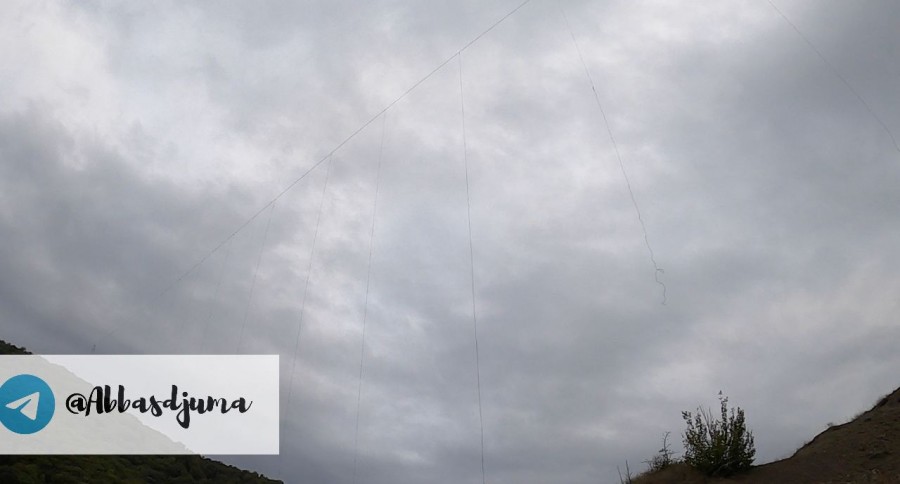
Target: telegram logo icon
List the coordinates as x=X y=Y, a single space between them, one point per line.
x=26 y=404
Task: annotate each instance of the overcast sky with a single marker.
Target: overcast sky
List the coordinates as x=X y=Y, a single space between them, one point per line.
x=136 y=138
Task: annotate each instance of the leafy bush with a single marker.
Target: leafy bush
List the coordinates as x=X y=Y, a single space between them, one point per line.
x=718 y=447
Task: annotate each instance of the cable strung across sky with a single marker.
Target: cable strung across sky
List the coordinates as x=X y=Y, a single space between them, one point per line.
x=317 y=164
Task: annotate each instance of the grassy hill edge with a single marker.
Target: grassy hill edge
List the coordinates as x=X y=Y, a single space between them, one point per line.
x=78 y=469
x=864 y=450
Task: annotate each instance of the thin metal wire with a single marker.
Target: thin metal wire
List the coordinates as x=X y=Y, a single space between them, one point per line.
x=362 y=348
x=837 y=74
x=262 y=248
x=226 y=257
x=656 y=269
x=312 y=252
x=462 y=107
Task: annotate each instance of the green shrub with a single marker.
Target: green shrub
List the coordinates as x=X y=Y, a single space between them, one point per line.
x=718 y=447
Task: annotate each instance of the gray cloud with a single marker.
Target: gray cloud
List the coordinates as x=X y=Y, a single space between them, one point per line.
x=134 y=140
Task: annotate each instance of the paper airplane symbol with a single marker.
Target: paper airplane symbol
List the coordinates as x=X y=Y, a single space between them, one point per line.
x=27 y=405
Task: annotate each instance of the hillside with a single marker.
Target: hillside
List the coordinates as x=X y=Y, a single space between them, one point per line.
x=65 y=469
x=864 y=450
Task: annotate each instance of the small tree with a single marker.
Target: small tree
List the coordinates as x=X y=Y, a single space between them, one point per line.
x=718 y=447
x=627 y=479
x=663 y=457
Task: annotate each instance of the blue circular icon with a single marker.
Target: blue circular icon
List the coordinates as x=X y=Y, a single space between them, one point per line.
x=26 y=404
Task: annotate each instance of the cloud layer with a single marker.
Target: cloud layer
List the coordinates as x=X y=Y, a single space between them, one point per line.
x=136 y=139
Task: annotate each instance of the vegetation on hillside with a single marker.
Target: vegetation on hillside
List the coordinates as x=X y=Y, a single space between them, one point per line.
x=863 y=450
x=718 y=447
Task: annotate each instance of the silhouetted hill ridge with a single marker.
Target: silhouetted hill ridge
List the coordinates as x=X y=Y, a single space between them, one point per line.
x=863 y=450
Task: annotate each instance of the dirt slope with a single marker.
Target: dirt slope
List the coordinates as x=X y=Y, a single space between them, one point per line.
x=864 y=450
